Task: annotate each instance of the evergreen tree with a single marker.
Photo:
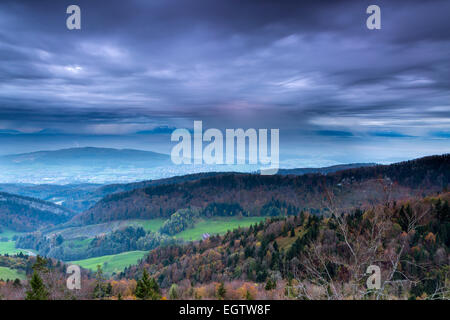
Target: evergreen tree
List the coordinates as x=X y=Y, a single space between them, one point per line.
x=270 y=285
x=173 y=292
x=292 y=232
x=38 y=291
x=147 y=288
x=221 y=291
x=101 y=289
x=40 y=265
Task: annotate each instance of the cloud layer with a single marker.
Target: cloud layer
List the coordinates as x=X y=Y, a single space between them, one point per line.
x=310 y=68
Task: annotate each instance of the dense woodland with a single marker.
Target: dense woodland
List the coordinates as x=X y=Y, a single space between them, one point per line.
x=180 y=220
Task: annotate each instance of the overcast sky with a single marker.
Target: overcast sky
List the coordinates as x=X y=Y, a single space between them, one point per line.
x=337 y=91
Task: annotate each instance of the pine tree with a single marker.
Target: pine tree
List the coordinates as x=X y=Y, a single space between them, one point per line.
x=221 y=291
x=38 y=291
x=270 y=285
x=173 y=292
x=40 y=265
x=100 y=290
x=147 y=288
x=292 y=232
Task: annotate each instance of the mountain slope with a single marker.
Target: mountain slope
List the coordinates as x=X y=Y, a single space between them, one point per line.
x=88 y=156
x=80 y=197
x=272 y=195
x=27 y=214
x=408 y=241
x=82 y=165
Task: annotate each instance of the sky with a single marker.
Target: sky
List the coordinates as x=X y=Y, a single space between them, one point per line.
x=137 y=69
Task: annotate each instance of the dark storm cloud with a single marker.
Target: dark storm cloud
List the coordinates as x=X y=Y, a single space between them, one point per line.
x=302 y=66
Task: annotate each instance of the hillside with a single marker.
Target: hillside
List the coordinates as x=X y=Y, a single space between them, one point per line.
x=27 y=214
x=312 y=257
x=324 y=170
x=88 y=156
x=76 y=197
x=82 y=165
x=275 y=195
x=80 y=197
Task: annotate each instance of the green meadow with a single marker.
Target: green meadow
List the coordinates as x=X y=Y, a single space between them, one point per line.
x=11 y=274
x=117 y=262
x=216 y=225
x=8 y=247
x=111 y=263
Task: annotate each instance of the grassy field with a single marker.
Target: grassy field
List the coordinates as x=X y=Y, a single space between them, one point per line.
x=111 y=263
x=9 y=247
x=92 y=230
x=216 y=226
x=11 y=274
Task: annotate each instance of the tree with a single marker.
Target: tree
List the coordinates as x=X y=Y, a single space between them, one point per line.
x=101 y=289
x=292 y=232
x=221 y=291
x=17 y=283
x=147 y=288
x=38 y=290
x=270 y=285
x=40 y=265
x=173 y=292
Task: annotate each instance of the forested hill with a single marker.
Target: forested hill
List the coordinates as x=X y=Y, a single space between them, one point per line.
x=324 y=170
x=317 y=257
x=275 y=195
x=27 y=214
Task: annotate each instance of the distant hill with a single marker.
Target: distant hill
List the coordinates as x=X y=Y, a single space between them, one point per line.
x=80 y=197
x=88 y=156
x=83 y=165
x=76 y=197
x=324 y=170
x=279 y=194
x=27 y=214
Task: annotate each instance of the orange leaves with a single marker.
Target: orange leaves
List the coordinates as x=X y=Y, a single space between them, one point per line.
x=430 y=237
